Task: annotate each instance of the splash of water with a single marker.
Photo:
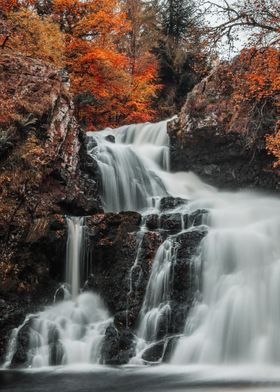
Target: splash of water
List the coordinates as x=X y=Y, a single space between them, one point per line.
x=71 y=331
x=238 y=319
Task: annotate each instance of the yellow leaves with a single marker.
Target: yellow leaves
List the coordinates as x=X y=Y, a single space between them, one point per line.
x=36 y=37
x=32 y=152
x=92 y=39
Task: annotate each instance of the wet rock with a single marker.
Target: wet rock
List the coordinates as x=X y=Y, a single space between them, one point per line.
x=140 y=274
x=195 y=218
x=56 y=354
x=169 y=202
x=20 y=358
x=160 y=351
x=155 y=352
x=110 y=138
x=113 y=243
x=118 y=346
x=171 y=222
x=90 y=142
x=152 y=221
x=184 y=285
x=170 y=348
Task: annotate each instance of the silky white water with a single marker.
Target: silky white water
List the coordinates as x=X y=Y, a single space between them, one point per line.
x=74 y=254
x=69 y=332
x=238 y=318
x=236 y=315
x=72 y=331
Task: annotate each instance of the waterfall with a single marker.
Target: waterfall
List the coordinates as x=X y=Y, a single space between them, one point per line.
x=70 y=331
x=235 y=316
x=74 y=256
x=156 y=307
x=234 y=313
x=237 y=319
x=130 y=159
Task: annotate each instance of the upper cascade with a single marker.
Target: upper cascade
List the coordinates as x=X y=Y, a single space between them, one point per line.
x=134 y=165
x=130 y=159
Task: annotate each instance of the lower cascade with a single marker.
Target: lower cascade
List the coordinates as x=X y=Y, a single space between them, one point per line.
x=212 y=294
x=70 y=331
x=237 y=319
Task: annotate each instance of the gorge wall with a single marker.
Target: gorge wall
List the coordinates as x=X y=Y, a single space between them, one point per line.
x=44 y=174
x=220 y=141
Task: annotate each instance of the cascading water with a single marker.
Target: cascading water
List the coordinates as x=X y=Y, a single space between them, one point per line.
x=74 y=257
x=130 y=159
x=236 y=314
x=71 y=331
x=238 y=318
x=156 y=302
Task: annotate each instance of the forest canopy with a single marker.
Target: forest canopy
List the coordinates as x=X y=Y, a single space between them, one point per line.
x=136 y=61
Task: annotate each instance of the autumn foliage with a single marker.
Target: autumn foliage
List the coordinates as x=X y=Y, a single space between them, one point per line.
x=131 y=61
x=89 y=39
x=257 y=87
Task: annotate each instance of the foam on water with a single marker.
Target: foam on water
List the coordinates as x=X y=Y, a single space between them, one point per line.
x=236 y=317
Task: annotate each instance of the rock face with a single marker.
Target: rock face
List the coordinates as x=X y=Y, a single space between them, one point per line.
x=210 y=138
x=44 y=174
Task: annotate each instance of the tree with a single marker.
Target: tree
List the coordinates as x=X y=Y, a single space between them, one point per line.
x=181 y=52
x=259 y=18
x=143 y=64
x=256 y=87
x=35 y=37
x=273 y=145
x=112 y=72
x=178 y=17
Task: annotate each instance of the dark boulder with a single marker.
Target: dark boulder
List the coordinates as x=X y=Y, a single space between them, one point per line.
x=20 y=358
x=196 y=218
x=152 y=221
x=171 y=222
x=118 y=346
x=160 y=351
x=219 y=141
x=169 y=202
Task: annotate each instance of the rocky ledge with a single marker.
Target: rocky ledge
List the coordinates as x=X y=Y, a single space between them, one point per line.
x=217 y=140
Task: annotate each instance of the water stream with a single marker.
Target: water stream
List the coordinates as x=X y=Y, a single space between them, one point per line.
x=235 y=318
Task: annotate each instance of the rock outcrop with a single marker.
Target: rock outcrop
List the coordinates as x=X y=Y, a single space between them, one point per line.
x=44 y=174
x=213 y=139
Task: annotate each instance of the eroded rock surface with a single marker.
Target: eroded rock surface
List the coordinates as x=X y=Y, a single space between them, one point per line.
x=216 y=139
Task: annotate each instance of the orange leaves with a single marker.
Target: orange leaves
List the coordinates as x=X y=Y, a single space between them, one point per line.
x=260 y=77
x=7 y=5
x=256 y=83
x=35 y=37
x=273 y=146
x=112 y=84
